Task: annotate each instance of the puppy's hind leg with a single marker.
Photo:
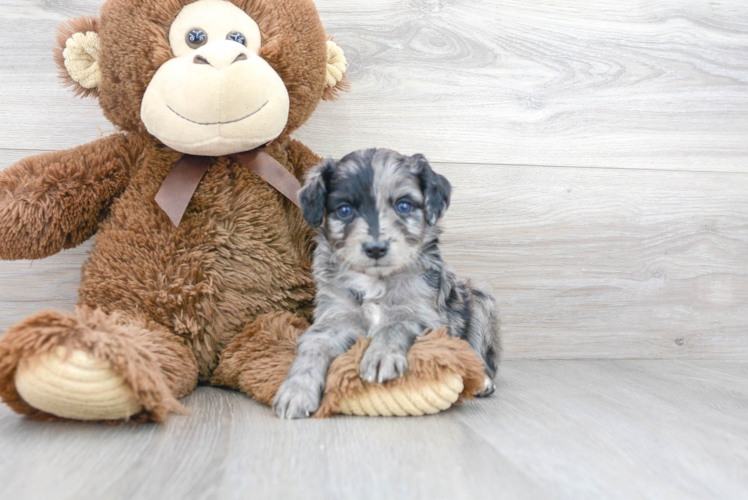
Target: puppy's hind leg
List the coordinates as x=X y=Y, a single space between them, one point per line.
x=483 y=335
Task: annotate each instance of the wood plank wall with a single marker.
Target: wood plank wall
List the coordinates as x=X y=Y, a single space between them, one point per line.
x=598 y=149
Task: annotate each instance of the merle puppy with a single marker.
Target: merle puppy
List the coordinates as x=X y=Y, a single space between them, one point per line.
x=379 y=272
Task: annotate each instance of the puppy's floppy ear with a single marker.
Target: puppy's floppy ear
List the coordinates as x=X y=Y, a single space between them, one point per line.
x=436 y=189
x=314 y=193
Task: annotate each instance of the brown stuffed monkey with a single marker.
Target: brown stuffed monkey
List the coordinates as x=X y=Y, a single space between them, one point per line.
x=201 y=266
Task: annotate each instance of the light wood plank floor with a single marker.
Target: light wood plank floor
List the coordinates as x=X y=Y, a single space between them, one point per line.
x=555 y=429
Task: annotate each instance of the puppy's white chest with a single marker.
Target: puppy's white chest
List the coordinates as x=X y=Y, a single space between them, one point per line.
x=373 y=312
x=372 y=290
x=370 y=287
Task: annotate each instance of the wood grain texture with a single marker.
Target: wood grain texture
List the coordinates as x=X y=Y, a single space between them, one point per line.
x=555 y=429
x=654 y=84
x=648 y=84
x=606 y=263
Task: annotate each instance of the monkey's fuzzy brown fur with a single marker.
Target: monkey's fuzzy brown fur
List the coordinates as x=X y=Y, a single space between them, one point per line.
x=257 y=360
x=161 y=303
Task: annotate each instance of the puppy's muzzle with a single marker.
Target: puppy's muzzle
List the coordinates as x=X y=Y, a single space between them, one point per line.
x=376 y=250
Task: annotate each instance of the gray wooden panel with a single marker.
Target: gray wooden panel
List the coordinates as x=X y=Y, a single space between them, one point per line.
x=660 y=84
x=10 y=156
x=27 y=287
x=585 y=263
x=555 y=429
x=606 y=263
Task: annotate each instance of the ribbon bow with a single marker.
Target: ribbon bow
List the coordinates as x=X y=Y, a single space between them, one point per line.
x=180 y=185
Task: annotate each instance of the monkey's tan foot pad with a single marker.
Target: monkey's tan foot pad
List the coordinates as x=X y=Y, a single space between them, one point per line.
x=428 y=398
x=75 y=385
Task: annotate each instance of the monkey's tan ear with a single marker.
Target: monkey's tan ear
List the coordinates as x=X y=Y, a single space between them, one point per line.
x=77 y=55
x=337 y=65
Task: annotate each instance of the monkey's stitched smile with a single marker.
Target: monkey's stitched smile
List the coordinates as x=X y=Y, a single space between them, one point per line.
x=219 y=123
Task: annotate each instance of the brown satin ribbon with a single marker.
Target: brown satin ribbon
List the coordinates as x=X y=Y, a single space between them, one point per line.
x=271 y=172
x=180 y=185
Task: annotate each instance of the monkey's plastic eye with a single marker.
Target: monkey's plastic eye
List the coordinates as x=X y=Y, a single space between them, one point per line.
x=404 y=207
x=237 y=37
x=196 y=37
x=345 y=211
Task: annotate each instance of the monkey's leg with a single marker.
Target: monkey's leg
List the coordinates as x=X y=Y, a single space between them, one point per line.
x=257 y=360
x=93 y=366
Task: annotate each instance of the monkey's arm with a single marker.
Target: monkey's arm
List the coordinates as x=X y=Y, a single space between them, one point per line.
x=56 y=200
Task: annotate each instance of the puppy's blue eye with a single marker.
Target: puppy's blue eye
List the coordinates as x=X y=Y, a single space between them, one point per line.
x=237 y=37
x=404 y=207
x=196 y=37
x=345 y=211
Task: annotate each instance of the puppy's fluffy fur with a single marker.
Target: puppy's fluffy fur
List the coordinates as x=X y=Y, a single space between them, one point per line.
x=379 y=272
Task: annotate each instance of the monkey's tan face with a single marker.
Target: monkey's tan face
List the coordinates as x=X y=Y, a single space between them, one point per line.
x=217 y=96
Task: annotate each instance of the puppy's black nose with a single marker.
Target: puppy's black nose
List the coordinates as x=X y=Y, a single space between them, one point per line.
x=376 y=250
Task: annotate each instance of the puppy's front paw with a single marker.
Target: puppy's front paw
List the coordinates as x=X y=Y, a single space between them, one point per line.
x=381 y=364
x=297 y=398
